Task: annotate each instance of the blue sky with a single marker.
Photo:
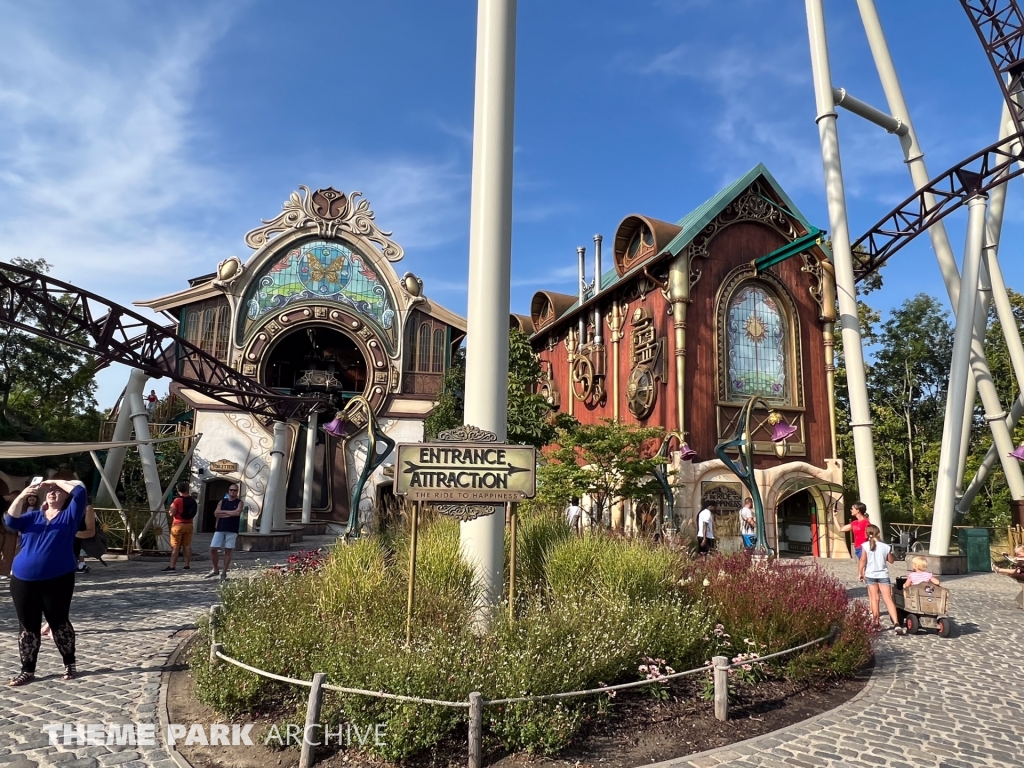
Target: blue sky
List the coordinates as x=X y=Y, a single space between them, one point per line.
x=140 y=140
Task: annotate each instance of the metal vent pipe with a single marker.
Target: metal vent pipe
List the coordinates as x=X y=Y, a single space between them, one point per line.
x=581 y=252
x=598 y=336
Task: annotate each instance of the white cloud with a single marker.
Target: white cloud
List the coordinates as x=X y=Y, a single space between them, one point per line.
x=95 y=146
x=760 y=108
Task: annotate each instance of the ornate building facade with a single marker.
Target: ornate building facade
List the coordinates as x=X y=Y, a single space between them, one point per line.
x=691 y=322
x=318 y=308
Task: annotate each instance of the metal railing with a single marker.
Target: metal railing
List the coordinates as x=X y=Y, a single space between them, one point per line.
x=719 y=666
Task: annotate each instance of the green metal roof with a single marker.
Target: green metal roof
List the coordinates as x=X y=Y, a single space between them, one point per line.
x=695 y=221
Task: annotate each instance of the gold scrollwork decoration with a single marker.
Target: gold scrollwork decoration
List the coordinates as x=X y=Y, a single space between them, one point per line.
x=331 y=212
x=465 y=512
x=467 y=433
x=583 y=379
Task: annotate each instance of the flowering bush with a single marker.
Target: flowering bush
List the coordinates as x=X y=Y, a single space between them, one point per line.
x=776 y=605
x=303 y=561
x=651 y=669
x=592 y=610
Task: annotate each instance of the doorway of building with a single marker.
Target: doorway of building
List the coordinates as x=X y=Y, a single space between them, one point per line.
x=317 y=360
x=215 y=491
x=796 y=515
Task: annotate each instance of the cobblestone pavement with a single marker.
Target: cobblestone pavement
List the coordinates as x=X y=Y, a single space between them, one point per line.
x=128 y=618
x=931 y=703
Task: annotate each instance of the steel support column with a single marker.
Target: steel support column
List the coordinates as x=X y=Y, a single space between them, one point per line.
x=309 y=469
x=490 y=261
x=945 y=487
x=277 y=476
x=154 y=493
x=867 y=479
x=122 y=432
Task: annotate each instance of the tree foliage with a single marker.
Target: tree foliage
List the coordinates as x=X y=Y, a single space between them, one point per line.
x=530 y=420
x=605 y=461
x=47 y=389
x=909 y=355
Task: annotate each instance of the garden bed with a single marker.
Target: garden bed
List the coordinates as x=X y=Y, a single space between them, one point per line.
x=635 y=731
x=593 y=611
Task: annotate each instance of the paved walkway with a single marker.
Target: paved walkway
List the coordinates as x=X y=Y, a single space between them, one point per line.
x=932 y=703
x=128 y=617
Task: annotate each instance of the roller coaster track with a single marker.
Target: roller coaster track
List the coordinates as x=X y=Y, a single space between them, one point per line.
x=1000 y=27
x=40 y=305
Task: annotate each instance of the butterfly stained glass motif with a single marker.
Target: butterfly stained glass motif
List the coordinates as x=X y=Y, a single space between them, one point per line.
x=321 y=270
x=756 y=346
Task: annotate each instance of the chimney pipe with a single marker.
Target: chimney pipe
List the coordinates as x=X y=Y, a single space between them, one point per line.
x=582 y=253
x=598 y=339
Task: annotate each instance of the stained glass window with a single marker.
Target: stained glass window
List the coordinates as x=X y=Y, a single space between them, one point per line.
x=323 y=271
x=757 y=345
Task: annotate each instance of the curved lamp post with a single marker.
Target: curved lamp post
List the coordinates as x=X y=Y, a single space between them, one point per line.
x=686 y=453
x=374 y=458
x=743 y=467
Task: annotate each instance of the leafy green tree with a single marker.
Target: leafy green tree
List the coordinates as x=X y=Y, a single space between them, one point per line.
x=47 y=389
x=908 y=381
x=530 y=420
x=606 y=461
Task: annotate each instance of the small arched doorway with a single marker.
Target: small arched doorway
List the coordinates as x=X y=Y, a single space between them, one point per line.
x=316 y=359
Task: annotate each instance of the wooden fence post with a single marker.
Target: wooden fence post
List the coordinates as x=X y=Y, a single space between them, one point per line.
x=215 y=648
x=721 y=667
x=313 y=707
x=476 y=728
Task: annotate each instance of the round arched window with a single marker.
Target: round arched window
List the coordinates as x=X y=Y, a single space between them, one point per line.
x=757 y=345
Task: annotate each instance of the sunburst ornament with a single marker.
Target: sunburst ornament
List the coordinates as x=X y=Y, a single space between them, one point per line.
x=755 y=328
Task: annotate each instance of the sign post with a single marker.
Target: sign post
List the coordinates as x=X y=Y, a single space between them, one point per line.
x=464 y=480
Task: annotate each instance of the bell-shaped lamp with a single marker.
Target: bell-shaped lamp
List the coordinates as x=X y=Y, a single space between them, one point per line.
x=782 y=431
x=1019 y=453
x=686 y=453
x=336 y=427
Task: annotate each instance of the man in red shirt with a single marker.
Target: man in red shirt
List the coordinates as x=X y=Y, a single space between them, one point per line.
x=183 y=511
x=858 y=526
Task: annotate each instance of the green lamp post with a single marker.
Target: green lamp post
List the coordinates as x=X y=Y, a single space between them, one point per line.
x=743 y=466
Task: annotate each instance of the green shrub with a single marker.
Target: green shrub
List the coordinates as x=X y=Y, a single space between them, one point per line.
x=591 y=609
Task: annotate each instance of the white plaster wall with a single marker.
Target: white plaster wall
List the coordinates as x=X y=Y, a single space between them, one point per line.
x=240 y=438
x=399 y=430
x=688 y=477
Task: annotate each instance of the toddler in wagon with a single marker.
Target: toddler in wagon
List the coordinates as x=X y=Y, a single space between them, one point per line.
x=920 y=573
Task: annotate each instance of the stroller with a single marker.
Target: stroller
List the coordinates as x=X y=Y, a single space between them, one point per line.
x=902 y=542
x=922 y=605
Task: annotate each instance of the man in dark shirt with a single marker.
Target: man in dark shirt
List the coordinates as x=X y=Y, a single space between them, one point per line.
x=227 y=513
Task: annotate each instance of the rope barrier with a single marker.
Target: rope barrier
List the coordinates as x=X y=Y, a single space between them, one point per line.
x=603 y=689
x=518 y=699
x=261 y=672
x=397 y=697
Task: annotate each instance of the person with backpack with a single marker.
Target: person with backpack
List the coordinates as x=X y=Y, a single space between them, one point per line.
x=183 y=512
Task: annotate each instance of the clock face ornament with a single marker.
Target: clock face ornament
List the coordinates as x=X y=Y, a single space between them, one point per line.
x=640 y=391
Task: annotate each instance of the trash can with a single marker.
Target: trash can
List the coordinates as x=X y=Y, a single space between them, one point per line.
x=974 y=546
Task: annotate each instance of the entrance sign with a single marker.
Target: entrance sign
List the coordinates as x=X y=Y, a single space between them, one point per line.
x=466 y=472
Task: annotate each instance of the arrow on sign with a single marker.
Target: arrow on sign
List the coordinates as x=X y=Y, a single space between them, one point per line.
x=509 y=469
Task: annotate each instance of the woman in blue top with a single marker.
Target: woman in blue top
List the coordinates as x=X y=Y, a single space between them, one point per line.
x=43 y=573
